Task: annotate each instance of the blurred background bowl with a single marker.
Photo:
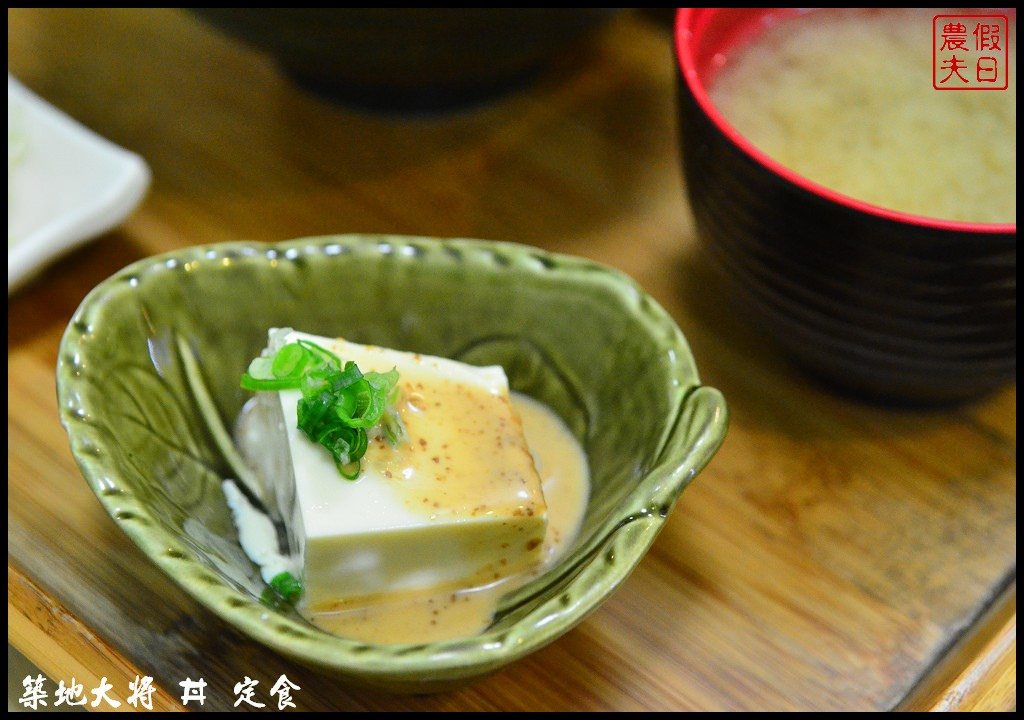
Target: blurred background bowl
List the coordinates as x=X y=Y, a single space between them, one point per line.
x=408 y=59
x=889 y=305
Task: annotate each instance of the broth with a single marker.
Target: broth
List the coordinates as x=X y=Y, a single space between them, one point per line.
x=844 y=98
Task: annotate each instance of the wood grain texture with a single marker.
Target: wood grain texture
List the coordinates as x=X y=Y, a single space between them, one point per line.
x=63 y=647
x=978 y=672
x=989 y=682
x=828 y=558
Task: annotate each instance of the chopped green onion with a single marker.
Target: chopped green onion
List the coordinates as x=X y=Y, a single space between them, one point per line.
x=284 y=590
x=288 y=361
x=287 y=586
x=339 y=402
x=392 y=426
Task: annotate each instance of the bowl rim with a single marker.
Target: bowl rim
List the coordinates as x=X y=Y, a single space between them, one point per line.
x=687 y=28
x=421 y=667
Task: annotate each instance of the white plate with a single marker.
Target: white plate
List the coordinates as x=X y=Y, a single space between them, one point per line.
x=65 y=184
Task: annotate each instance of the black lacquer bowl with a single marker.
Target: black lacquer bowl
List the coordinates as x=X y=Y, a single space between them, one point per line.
x=409 y=59
x=892 y=306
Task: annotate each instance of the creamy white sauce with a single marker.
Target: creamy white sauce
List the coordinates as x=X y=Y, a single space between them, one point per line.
x=257 y=536
x=433 y=614
x=562 y=466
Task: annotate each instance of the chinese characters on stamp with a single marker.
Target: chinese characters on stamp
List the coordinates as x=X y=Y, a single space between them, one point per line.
x=970 y=52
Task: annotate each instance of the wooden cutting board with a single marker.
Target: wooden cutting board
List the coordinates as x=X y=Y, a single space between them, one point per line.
x=834 y=555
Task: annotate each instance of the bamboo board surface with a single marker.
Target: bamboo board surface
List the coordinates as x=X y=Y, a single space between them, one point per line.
x=834 y=555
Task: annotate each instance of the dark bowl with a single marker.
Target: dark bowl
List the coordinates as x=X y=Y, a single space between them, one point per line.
x=408 y=59
x=891 y=306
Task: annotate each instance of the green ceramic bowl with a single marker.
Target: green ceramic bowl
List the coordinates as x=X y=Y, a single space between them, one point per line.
x=581 y=337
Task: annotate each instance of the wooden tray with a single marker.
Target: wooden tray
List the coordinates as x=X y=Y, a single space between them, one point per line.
x=834 y=555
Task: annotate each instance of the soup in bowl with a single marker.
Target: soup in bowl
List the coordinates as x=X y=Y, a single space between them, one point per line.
x=868 y=227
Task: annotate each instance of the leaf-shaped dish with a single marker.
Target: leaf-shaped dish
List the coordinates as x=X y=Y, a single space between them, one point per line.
x=581 y=337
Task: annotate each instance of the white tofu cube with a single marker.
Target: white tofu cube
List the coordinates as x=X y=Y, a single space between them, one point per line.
x=457 y=503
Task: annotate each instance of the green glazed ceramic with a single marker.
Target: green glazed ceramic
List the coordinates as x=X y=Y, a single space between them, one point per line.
x=581 y=337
